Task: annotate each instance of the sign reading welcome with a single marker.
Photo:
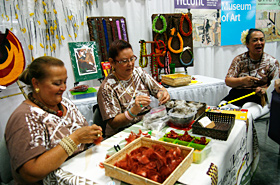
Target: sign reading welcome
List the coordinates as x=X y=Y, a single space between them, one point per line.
x=197 y=4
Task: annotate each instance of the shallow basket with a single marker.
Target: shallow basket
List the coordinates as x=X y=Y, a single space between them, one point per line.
x=176 y=79
x=223 y=125
x=126 y=176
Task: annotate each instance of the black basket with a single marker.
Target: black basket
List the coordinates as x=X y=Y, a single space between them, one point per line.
x=223 y=125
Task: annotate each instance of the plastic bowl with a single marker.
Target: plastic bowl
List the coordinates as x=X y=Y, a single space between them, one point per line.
x=181 y=120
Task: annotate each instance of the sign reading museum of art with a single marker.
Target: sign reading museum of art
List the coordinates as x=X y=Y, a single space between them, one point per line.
x=236 y=16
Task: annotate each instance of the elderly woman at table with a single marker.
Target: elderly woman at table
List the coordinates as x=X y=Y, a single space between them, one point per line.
x=124 y=96
x=251 y=71
x=45 y=129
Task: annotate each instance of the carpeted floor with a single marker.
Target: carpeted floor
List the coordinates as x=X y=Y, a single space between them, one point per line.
x=268 y=171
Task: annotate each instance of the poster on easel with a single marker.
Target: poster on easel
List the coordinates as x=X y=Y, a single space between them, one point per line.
x=268 y=19
x=85 y=61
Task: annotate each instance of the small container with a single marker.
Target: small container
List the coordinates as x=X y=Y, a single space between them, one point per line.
x=90 y=92
x=200 y=151
x=182 y=120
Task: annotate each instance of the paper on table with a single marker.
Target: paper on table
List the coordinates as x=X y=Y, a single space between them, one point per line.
x=204 y=121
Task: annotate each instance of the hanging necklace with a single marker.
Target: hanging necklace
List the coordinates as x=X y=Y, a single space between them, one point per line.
x=143 y=51
x=125 y=88
x=59 y=113
x=163 y=22
x=181 y=25
x=255 y=62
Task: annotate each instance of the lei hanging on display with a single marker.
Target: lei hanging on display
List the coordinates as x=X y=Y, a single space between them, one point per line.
x=164 y=37
x=170 y=41
x=181 y=25
x=143 y=51
x=160 y=51
x=163 y=22
x=167 y=61
x=154 y=66
x=189 y=50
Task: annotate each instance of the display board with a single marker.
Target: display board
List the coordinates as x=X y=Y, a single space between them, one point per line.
x=104 y=30
x=180 y=39
x=84 y=60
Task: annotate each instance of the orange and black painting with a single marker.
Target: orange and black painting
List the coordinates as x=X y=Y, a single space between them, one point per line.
x=12 y=60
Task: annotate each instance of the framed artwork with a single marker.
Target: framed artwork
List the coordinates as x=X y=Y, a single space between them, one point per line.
x=85 y=61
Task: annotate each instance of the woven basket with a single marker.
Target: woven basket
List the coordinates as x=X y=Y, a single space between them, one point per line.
x=176 y=79
x=222 y=129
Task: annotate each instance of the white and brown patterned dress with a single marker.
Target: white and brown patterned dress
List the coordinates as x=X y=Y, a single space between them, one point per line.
x=115 y=97
x=31 y=131
x=266 y=69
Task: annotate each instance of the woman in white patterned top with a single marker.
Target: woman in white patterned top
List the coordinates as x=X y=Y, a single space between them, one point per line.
x=45 y=129
x=124 y=96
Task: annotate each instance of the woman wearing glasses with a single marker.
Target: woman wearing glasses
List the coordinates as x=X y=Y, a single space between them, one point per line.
x=124 y=95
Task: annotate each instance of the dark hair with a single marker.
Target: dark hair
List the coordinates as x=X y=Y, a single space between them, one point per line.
x=250 y=33
x=116 y=47
x=38 y=69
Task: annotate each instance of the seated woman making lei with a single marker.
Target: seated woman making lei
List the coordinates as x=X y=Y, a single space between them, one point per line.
x=124 y=95
x=251 y=71
x=45 y=129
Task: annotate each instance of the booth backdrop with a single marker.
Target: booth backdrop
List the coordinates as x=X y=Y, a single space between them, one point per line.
x=209 y=61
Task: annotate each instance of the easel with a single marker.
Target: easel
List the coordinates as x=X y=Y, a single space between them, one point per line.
x=21 y=89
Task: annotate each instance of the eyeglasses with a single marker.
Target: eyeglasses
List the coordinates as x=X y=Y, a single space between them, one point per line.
x=125 y=61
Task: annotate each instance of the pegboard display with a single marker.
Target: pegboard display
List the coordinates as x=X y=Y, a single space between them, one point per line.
x=175 y=30
x=104 y=30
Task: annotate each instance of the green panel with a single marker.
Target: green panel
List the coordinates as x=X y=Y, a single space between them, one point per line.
x=85 y=60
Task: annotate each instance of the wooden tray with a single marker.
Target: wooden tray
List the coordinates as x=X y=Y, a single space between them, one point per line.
x=126 y=176
x=176 y=79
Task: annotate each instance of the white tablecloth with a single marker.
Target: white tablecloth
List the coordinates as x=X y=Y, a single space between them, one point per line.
x=208 y=90
x=233 y=159
x=85 y=106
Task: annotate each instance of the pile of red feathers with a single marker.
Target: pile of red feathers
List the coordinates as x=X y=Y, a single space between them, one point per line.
x=155 y=163
x=184 y=137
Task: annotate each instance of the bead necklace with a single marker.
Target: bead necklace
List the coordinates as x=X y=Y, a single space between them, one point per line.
x=163 y=22
x=124 y=30
x=143 y=51
x=125 y=88
x=106 y=34
x=119 y=29
x=101 y=42
x=112 y=29
x=167 y=62
x=45 y=108
x=181 y=25
x=257 y=62
x=154 y=66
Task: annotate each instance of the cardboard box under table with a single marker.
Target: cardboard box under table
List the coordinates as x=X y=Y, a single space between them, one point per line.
x=126 y=176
